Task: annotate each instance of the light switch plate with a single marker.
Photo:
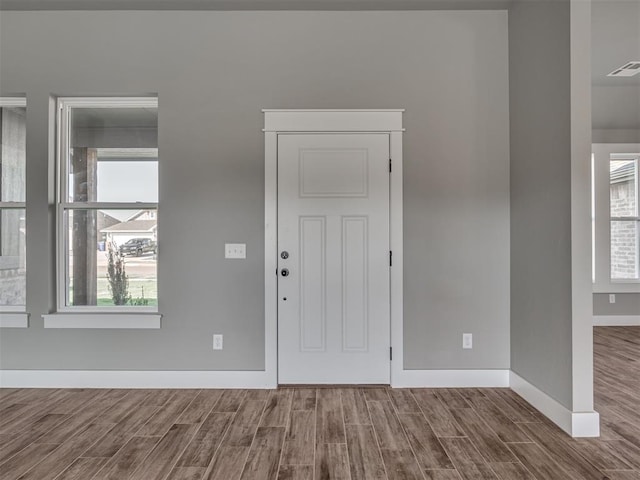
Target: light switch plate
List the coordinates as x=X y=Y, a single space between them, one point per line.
x=235 y=250
x=467 y=340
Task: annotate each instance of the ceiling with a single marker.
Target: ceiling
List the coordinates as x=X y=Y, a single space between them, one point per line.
x=615 y=41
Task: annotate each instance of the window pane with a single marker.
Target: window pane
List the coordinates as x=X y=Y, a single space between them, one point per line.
x=12 y=161
x=12 y=257
x=623 y=194
x=111 y=258
x=113 y=155
x=624 y=250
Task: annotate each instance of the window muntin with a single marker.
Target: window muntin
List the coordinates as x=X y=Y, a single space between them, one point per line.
x=108 y=166
x=12 y=204
x=624 y=219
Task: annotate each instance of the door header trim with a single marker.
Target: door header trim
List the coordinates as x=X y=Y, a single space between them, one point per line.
x=291 y=121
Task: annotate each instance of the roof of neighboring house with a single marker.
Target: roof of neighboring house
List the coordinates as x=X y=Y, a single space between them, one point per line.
x=623 y=173
x=133 y=226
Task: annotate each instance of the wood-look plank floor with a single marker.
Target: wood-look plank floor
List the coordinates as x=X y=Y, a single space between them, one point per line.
x=322 y=433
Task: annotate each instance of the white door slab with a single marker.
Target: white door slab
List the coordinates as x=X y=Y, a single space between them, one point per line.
x=333 y=280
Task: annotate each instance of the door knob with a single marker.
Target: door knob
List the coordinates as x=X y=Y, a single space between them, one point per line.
x=284 y=272
x=284 y=255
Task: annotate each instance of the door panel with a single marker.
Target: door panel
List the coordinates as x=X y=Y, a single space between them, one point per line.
x=333 y=222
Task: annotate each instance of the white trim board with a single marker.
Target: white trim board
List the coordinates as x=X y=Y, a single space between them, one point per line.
x=14 y=320
x=331 y=121
x=576 y=424
x=451 y=379
x=102 y=320
x=133 y=379
x=616 y=320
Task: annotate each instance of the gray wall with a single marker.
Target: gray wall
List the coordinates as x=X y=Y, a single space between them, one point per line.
x=540 y=115
x=626 y=304
x=213 y=72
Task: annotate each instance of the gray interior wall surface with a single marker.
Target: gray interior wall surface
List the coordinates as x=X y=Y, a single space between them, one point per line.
x=213 y=73
x=540 y=116
x=625 y=304
x=616 y=136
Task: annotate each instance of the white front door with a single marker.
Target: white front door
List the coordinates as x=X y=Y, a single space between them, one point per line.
x=333 y=248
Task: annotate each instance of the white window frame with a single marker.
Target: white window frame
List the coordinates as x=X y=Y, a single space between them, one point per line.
x=65 y=105
x=13 y=102
x=602 y=156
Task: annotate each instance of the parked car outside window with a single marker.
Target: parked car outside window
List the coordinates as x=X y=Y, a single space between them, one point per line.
x=138 y=246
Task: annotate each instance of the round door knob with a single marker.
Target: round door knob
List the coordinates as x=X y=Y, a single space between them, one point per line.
x=284 y=255
x=284 y=272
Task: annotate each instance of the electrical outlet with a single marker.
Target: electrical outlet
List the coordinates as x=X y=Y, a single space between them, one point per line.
x=612 y=298
x=217 y=342
x=467 y=340
x=235 y=250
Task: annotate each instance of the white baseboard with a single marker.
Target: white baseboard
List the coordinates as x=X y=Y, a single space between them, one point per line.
x=616 y=320
x=134 y=379
x=450 y=378
x=576 y=424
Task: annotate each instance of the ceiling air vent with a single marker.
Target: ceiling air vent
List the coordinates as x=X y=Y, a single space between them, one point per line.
x=628 y=70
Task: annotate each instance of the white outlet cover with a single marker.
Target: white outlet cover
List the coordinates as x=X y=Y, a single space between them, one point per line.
x=217 y=342
x=612 y=298
x=235 y=250
x=467 y=340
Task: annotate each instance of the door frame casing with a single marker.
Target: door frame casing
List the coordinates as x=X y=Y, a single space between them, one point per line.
x=277 y=122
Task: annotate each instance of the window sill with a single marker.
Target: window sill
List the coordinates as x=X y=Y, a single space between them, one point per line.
x=102 y=320
x=14 y=320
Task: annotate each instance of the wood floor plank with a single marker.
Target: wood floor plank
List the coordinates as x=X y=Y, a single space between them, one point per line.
x=157 y=398
x=299 y=444
x=230 y=401
x=228 y=463
x=329 y=419
x=160 y=461
x=200 y=407
x=538 y=462
x=167 y=414
x=439 y=417
x=511 y=471
x=276 y=412
x=468 y=462
x=424 y=442
x=82 y=469
x=25 y=459
x=122 y=408
x=441 y=475
x=354 y=407
x=577 y=466
x=245 y=423
x=603 y=455
x=206 y=441
x=376 y=394
x=121 y=433
x=65 y=454
x=304 y=399
x=295 y=472
x=401 y=464
x=485 y=439
x=403 y=401
x=264 y=455
x=450 y=398
x=622 y=475
x=127 y=459
x=21 y=441
x=507 y=430
x=332 y=462
x=365 y=458
x=388 y=430
x=186 y=473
